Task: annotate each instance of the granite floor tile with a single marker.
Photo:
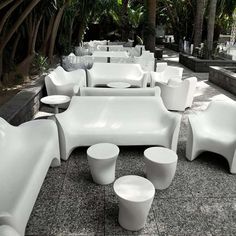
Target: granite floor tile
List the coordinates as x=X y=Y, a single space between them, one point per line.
x=80 y=215
x=42 y=217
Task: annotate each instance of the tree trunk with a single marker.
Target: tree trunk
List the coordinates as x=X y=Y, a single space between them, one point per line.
x=151 y=34
x=13 y=52
x=124 y=21
x=198 y=22
x=55 y=30
x=5 y=3
x=210 y=27
x=8 y=13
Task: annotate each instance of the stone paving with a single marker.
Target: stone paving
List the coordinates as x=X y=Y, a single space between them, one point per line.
x=200 y=201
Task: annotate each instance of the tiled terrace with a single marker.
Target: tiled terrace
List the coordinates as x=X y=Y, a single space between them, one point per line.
x=200 y=201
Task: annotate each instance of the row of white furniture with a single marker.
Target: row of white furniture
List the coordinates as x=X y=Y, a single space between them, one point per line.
x=27 y=152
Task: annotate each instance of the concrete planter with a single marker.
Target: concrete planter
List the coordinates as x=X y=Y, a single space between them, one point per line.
x=202 y=65
x=172 y=46
x=25 y=104
x=224 y=77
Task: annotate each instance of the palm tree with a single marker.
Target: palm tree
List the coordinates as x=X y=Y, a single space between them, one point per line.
x=151 y=21
x=211 y=26
x=198 y=22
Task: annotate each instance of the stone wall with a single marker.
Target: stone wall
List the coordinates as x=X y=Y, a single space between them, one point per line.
x=201 y=65
x=25 y=104
x=224 y=78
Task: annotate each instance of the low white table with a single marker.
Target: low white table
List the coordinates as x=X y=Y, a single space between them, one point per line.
x=102 y=162
x=118 y=85
x=160 y=166
x=55 y=101
x=135 y=195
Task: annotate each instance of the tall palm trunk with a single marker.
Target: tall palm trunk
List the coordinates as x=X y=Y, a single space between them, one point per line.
x=124 y=19
x=55 y=30
x=211 y=27
x=151 y=17
x=198 y=22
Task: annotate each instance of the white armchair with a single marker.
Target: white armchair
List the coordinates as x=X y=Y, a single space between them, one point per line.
x=61 y=82
x=214 y=130
x=164 y=76
x=178 y=95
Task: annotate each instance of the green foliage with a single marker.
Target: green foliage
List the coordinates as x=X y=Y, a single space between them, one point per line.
x=40 y=64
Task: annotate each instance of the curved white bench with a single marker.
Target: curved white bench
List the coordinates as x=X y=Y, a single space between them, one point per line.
x=178 y=96
x=27 y=151
x=61 y=82
x=103 y=73
x=90 y=91
x=118 y=120
x=6 y=230
x=214 y=130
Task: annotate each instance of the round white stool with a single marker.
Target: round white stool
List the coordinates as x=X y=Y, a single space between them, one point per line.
x=119 y=85
x=160 y=166
x=135 y=195
x=102 y=162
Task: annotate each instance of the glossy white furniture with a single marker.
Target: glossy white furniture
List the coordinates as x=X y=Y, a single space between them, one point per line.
x=161 y=66
x=168 y=73
x=160 y=166
x=102 y=162
x=6 y=230
x=90 y=91
x=118 y=85
x=60 y=82
x=27 y=152
x=214 y=130
x=103 y=73
x=111 y=48
x=55 y=101
x=119 y=120
x=110 y=54
x=178 y=95
x=135 y=195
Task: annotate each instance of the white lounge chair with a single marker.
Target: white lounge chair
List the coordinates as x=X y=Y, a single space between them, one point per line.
x=60 y=82
x=214 y=130
x=118 y=120
x=164 y=76
x=103 y=73
x=27 y=152
x=177 y=95
x=90 y=91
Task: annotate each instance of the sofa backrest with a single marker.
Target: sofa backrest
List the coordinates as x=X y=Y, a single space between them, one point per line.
x=89 y=91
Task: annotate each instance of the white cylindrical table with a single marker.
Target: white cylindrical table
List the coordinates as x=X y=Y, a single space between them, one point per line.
x=55 y=101
x=160 y=166
x=135 y=195
x=102 y=162
x=118 y=85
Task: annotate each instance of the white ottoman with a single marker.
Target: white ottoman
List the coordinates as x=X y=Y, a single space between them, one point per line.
x=135 y=195
x=160 y=166
x=102 y=162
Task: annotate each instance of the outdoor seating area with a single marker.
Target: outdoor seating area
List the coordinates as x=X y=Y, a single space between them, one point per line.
x=115 y=120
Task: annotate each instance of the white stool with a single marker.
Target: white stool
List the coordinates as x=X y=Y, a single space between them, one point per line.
x=160 y=166
x=102 y=162
x=135 y=195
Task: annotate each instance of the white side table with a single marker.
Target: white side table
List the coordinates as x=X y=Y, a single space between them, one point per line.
x=102 y=162
x=160 y=166
x=55 y=100
x=135 y=195
x=119 y=85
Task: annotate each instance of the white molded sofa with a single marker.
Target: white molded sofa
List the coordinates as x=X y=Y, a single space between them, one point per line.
x=27 y=152
x=169 y=72
x=61 y=82
x=214 y=130
x=103 y=73
x=118 y=120
x=179 y=95
x=6 y=230
x=90 y=91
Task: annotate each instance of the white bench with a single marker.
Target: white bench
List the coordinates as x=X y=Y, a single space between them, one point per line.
x=27 y=151
x=103 y=73
x=118 y=120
